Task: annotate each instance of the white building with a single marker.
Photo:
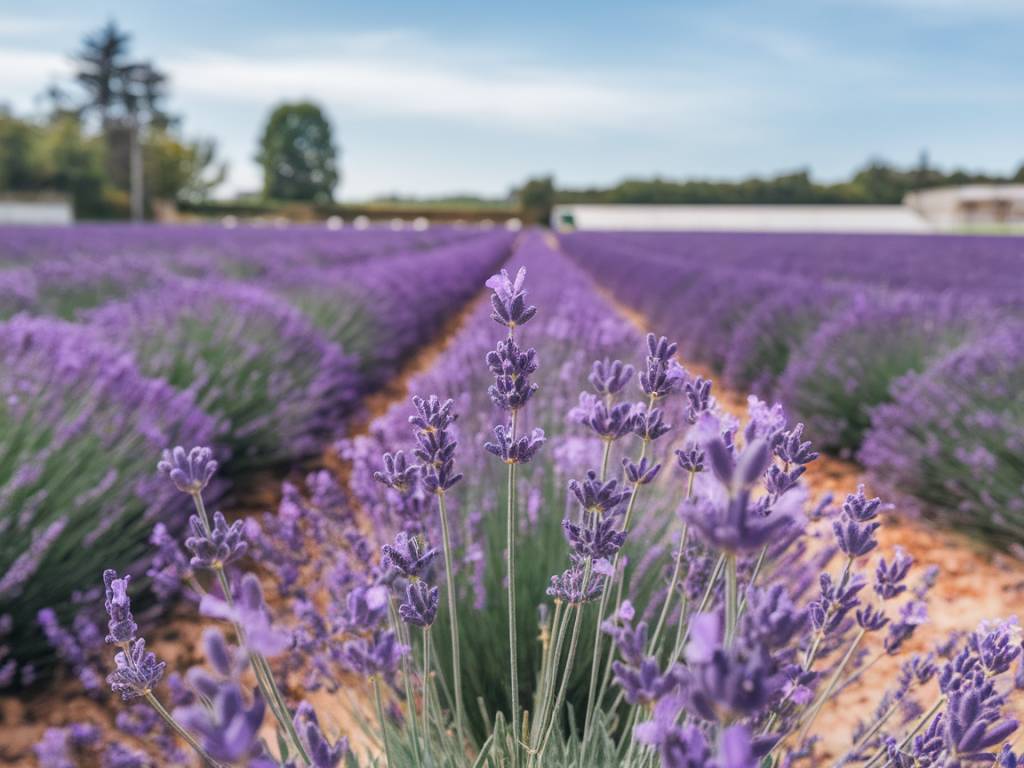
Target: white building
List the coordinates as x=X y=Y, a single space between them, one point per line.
x=41 y=210
x=972 y=206
x=741 y=218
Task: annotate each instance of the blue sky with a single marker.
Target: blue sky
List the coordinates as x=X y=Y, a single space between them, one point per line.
x=441 y=97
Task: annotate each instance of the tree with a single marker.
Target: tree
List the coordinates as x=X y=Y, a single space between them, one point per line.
x=126 y=95
x=298 y=155
x=536 y=199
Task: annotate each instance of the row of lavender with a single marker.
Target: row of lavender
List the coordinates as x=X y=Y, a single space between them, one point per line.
x=265 y=370
x=906 y=352
x=736 y=608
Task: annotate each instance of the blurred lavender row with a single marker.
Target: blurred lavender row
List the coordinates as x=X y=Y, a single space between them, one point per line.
x=256 y=342
x=848 y=331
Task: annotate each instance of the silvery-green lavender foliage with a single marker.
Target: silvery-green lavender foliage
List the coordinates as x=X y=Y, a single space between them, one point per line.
x=773 y=604
x=275 y=385
x=374 y=311
x=953 y=437
x=849 y=365
x=80 y=425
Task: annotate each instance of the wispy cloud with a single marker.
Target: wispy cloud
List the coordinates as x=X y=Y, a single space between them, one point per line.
x=396 y=76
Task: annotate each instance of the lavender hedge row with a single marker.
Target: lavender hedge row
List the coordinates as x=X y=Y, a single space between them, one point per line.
x=79 y=429
x=830 y=325
x=266 y=382
x=771 y=608
x=63 y=270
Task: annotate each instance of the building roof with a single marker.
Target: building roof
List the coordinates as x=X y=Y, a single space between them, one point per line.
x=752 y=218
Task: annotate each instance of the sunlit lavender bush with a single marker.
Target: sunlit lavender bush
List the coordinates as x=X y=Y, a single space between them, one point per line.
x=773 y=605
x=375 y=312
x=79 y=428
x=954 y=438
x=848 y=366
x=775 y=330
x=276 y=386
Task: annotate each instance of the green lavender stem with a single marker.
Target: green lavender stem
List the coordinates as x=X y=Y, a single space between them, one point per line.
x=383 y=722
x=175 y=726
x=560 y=699
x=513 y=645
x=425 y=683
x=453 y=618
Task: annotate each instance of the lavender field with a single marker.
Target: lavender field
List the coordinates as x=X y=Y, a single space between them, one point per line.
x=285 y=498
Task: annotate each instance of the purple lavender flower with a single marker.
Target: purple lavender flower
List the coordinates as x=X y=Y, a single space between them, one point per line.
x=223 y=544
x=835 y=602
x=607 y=422
x=698 y=398
x=597 y=539
x=408 y=555
x=571 y=587
x=366 y=608
x=643 y=684
x=251 y=613
x=229 y=730
x=690 y=458
x=321 y=752
x=397 y=473
x=889 y=577
x=518 y=451
x=597 y=497
x=137 y=670
x=641 y=473
x=649 y=424
x=420 y=605
x=511 y=367
x=912 y=615
x=190 y=471
x=121 y=626
x=435 y=444
x=609 y=377
x=661 y=375
x=374 y=656
x=509 y=299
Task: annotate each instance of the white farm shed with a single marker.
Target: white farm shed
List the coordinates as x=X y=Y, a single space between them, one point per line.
x=741 y=218
x=970 y=206
x=43 y=211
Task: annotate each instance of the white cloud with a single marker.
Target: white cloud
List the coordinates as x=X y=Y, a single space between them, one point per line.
x=371 y=85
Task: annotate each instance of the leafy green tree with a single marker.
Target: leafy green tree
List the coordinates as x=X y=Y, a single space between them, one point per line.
x=536 y=199
x=298 y=154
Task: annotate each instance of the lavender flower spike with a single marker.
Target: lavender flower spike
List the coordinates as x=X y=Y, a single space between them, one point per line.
x=420 y=606
x=190 y=472
x=137 y=671
x=509 y=299
x=121 y=626
x=222 y=545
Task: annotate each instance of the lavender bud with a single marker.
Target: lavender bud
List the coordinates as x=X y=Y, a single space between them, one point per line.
x=190 y=472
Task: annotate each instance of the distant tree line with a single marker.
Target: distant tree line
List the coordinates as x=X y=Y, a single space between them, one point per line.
x=878 y=182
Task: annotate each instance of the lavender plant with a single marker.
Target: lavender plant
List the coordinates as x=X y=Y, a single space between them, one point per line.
x=275 y=385
x=849 y=365
x=78 y=423
x=766 y=606
x=953 y=437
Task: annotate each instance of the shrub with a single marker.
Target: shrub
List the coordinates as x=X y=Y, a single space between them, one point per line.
x=953 y=437
x=848 y=366
x=80 y=429
x=275 y=385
